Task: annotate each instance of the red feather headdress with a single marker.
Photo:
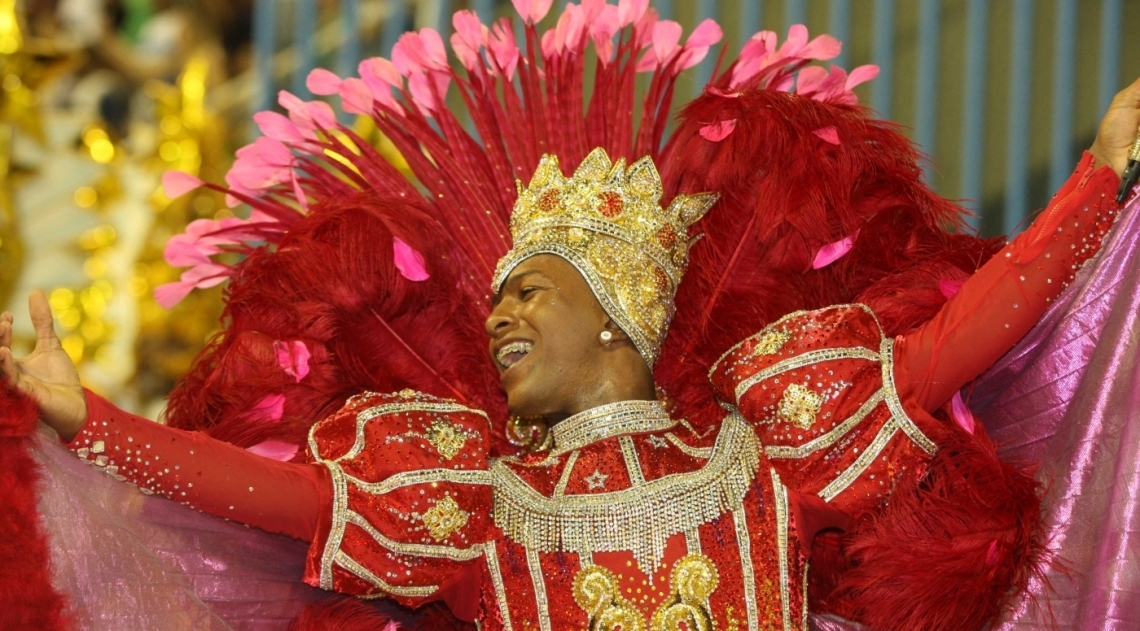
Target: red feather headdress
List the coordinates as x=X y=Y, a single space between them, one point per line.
x=382 y=278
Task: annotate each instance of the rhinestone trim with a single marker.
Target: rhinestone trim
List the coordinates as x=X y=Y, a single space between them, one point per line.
x=607 y=421
x=638 y=519
x=416 y=591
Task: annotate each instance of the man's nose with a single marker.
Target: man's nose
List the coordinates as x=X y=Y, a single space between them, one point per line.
x=499 y=319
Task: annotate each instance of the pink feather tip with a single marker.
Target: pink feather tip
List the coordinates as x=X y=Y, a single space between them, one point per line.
x=293 y=358
x=175 y=184
x=274 y=450
x=269 y=409
x=408 y=261
x=962 y=414
x=950 y=287
x=717 y=132
x=832 y=252
x=323 y=82
x=828 y=135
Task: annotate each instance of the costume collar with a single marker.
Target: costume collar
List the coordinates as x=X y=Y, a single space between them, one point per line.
x=606 y=421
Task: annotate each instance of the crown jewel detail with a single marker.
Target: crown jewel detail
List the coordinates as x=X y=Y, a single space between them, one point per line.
x=607 y=221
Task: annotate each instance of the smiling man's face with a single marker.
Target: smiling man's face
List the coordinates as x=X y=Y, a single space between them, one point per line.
x=544 y=332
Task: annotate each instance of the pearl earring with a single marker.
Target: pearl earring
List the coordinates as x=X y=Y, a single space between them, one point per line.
x=606 y=337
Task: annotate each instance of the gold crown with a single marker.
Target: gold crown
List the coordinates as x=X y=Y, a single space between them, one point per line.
x=607 y=221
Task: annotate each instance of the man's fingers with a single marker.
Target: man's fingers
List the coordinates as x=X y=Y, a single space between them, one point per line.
x=42 y=321
x=5 y=333
x=7 y=367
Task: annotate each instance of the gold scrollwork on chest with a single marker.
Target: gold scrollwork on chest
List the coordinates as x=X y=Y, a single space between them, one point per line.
x=692 y=581
x=596 y=592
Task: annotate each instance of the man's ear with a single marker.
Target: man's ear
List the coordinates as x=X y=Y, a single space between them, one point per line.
x=615 y=330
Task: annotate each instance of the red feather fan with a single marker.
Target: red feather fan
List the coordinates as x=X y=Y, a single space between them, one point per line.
x=331 y=283
x=951 y=550
x=785 y=193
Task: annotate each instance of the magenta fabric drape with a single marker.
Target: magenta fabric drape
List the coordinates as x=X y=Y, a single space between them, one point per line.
x=1069 y=397
x=127 y=561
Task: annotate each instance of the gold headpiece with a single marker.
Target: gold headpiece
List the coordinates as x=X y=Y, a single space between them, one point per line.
x=607 y=221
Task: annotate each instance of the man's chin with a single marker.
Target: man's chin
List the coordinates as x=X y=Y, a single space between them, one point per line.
x=523 y=403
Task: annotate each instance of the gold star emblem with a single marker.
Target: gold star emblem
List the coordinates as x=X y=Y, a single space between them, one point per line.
x=596 y=480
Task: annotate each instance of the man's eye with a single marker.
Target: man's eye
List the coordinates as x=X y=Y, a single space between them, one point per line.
x=527 y=291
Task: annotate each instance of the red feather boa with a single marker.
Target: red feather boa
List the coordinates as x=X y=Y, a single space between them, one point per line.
x=30 y=602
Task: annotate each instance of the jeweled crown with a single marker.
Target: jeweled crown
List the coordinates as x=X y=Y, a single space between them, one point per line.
x=607 y=221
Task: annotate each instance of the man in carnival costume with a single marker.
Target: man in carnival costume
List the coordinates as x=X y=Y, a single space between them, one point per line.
x=729 y=476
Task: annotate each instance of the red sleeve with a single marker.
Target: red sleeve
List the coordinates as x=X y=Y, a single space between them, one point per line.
x=1002 y=301
x=199 y=471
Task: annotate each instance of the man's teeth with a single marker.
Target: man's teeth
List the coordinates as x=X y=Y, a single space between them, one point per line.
x=513 y=353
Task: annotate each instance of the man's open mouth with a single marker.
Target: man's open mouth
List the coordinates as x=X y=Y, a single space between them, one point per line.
x=513 y=353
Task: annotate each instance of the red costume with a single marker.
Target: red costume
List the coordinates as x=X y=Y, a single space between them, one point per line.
x=634 y=517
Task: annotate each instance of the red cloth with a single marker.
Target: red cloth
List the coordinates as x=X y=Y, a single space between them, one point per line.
x=994 y=309
x=998 y=305
x=208 y=474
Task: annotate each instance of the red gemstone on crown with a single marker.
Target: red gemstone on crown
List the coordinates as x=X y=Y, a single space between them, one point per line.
x=611 y=204
x=549 y=201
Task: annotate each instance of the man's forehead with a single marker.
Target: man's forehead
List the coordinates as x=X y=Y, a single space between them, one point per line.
x=543 y=265
x=516 y=276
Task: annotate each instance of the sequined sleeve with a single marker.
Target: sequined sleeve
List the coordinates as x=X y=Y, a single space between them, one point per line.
x=817 y=389
x=411 y=498
x=199 y=471
x=998 y=305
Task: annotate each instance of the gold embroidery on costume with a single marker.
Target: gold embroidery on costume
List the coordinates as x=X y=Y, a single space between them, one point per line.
x=692 y=580
x=747 y=570
x=447 y=438
x=632 y=463
x=596 y=480
x=872 y=451
x=606 y=421
x=443 y=519
x=414 y=549
x=421 y=476
x=780 y=493
x=596 y=592
x=799 y=361
x=363 y=573
x=492 y=557
x=799 y=406
x=703 y=453
x=537 y=579
x=384 y=409
x=339 y=520
x=771 y=341
x=830 y=438
x=567 y=471
x=639 y=519
x=886 y=349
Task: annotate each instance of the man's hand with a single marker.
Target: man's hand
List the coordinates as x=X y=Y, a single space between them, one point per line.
x=1118 y=129
x=47 y=375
